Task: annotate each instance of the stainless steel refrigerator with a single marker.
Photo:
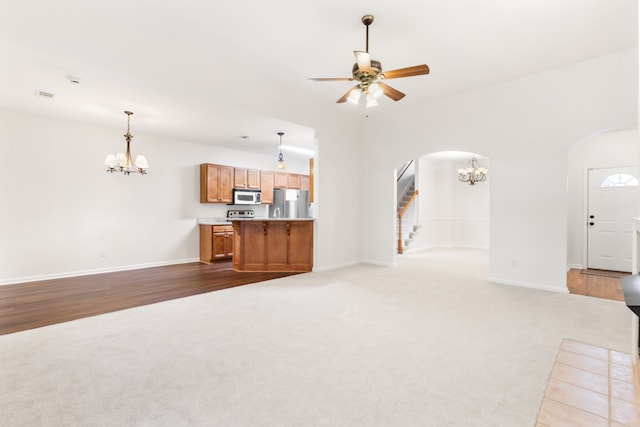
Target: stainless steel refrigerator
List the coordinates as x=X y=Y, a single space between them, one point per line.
x=289 y=204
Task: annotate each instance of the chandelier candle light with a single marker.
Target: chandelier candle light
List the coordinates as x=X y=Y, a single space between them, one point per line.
x=472 y=173
x=281 y=164
x=121 y=162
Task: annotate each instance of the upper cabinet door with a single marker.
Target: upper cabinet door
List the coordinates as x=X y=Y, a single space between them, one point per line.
x=281 y=180
x=239 y=177
x=294 y=181
x=216 y=183
x=266 y=186
x=253 y=178
x=226 y=184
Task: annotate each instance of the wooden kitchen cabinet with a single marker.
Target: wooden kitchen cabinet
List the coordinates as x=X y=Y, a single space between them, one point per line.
x=266 y=186
x=294 y=181
x=246 y=178
x=216 y=183
x=281 y=180
x=273 y=245
x=253 y=178
x=239 y=178
x=216 y=242
x=222 y=241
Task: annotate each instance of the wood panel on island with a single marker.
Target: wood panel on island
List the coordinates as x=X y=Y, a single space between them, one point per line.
x=273 y=245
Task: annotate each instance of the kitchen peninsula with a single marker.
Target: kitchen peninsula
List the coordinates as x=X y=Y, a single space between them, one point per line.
x=273 y=244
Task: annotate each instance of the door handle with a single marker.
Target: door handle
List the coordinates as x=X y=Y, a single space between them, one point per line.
x=591 y=216
x=592 y=223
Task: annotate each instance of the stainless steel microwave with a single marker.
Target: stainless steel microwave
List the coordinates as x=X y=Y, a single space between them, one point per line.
x=243 y=196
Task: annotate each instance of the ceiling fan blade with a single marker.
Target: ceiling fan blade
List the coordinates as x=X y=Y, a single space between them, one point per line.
x=346 y=95
x=392 y=93
x=330 y=79
x=416 y=70
x=364 y=61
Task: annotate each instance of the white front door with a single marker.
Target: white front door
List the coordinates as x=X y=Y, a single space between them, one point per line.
x=613 y=200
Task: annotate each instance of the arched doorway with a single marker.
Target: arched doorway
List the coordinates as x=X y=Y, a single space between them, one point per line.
x=447 y=212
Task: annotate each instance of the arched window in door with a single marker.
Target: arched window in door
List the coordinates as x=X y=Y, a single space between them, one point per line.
x=620 y=180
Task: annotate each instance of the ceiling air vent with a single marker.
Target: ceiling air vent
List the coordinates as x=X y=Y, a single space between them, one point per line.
x=43 y=94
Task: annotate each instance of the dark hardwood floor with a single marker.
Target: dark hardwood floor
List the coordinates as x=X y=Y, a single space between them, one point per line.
x=35 y=304
x=31 y=305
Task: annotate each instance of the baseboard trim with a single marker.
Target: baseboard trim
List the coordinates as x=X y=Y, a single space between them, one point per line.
x=380 y=264
x=38 y=278
x=538 y=286
x=335 y=266
x=576 y=266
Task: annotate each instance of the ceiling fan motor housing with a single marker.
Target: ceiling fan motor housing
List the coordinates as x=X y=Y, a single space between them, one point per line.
x=365 y=77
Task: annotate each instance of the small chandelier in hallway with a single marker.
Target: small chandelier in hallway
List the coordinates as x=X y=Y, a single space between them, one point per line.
x=472 y=173
x=121 y=162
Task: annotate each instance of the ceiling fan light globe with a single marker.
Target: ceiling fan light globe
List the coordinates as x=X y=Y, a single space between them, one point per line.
x=375 y=91
x=354 y=96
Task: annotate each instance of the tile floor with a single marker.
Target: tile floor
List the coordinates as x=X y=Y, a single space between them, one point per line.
x=590 y=386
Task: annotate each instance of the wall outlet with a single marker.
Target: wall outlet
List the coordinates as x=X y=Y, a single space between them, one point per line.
x=102 y=253
x=514 y=263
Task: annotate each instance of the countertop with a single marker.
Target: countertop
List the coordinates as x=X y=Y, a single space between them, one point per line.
x=227 y=221
x=273 y=219
x=214 y=221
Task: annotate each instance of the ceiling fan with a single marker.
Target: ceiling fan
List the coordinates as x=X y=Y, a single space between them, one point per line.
x=369 y=75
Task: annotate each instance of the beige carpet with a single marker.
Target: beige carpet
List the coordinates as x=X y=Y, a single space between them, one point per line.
x=427 y=343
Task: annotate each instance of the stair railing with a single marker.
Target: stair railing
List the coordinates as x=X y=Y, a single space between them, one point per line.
x=404 y=169
x=400 y=215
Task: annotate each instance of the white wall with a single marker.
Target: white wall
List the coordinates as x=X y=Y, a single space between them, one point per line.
x=605 y=150
x=525 y=127
x=60 y=209
x=452 y=214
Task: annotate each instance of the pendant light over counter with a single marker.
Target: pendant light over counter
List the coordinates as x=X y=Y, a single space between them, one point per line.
x=281 y=165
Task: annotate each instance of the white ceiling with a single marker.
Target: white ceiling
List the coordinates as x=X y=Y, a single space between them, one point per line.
x=175 y=63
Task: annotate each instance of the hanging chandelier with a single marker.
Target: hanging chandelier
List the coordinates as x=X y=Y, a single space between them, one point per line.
x=121 y=162
x=472 y=173
x=281 y=164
